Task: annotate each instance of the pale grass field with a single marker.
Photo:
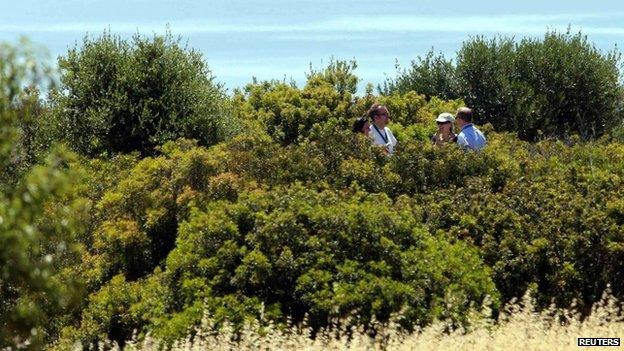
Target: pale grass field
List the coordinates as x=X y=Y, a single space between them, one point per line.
x=519 y=328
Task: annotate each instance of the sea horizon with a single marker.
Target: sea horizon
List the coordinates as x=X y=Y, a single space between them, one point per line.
x=269 y=40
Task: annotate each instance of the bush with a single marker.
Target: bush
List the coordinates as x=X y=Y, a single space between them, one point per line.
x=158 y=216
x=551 y=87
x=300 y=217
x=485 y=71
x=555 y=86
x=289 y=114
x=431 y=76
x=24 y=74
x=339 y=74
x=545 y=214
x=39 y=220
x=424 y=168
x=330 y=225
x=303 y=252
x=121 y=96
x=23 y=67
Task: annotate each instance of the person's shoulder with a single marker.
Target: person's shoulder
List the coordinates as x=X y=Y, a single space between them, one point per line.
x=391 y=136
x=461 y=139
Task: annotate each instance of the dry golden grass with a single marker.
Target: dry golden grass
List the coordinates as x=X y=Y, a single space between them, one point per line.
x=519 y=328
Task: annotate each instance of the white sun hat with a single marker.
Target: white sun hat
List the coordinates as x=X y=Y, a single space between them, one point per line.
x=445 y=117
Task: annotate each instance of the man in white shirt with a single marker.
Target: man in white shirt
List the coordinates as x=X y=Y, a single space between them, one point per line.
x=379 y=133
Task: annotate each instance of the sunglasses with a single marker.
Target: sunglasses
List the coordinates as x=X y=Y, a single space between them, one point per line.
x=441 y=123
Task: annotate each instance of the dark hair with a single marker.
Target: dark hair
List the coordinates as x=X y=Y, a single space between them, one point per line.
x=464 y=113
x=374 y=111
x=358 y=125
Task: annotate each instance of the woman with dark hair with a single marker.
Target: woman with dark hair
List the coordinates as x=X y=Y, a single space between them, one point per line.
x=361 y=125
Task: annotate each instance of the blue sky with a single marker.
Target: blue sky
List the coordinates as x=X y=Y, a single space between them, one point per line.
x=277 y=39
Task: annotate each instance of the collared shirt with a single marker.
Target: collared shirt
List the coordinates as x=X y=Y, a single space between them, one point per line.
x=383 y=137
x=471 y=138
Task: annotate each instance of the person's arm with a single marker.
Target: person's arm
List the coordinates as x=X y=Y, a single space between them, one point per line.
x=391 y=139
x=462 y=142
x=373 y=138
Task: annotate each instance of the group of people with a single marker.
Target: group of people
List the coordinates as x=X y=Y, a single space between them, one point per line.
x=469 y=136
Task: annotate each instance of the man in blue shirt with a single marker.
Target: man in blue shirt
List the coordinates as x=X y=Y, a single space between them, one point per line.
x=469 y=136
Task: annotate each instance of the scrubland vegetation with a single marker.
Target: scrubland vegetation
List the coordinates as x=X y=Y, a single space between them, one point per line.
x=142 y=204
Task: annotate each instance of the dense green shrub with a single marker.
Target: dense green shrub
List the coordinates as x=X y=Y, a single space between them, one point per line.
x=339 y=74
x=137 y=219
x=487 y=82
x=424 y=168
x=290 y=253
x=577 y=86
x=252 y=228
x=432 y=75
x=289 y=114
x=24 y=74
x=617 y=134
x=39 y=219
x=547 y=214
x=298 y=217
x=23 y=67
x=321 y=254
x=131 y=95
x=554 y=86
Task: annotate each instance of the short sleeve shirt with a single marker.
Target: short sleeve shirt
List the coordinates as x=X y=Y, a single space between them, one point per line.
x=471 y=138
x=383 y=137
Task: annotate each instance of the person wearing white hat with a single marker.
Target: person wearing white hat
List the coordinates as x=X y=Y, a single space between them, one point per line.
x=445 y=133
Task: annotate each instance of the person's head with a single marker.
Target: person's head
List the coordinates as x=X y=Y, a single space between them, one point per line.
x=361 y=125
x=379 y=115
x=445 y=122
x=464 y=116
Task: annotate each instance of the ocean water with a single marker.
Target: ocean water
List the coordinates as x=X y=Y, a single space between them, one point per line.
x=281 y=39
